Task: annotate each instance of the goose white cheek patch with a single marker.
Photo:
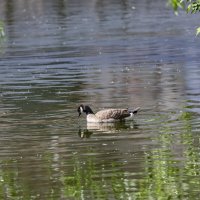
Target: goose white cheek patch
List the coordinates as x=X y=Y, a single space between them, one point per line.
x=81 y=109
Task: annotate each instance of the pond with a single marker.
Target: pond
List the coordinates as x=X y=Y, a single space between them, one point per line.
x=56 y=55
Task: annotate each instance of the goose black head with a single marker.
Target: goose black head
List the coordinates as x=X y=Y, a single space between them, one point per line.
x=86 y=109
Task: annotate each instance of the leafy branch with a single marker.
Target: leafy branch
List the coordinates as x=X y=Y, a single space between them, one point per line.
x=189 y=6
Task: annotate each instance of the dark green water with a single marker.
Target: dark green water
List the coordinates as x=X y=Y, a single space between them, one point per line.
x=58 y=54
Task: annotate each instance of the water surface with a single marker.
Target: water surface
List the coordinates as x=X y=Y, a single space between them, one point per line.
x=59 y=54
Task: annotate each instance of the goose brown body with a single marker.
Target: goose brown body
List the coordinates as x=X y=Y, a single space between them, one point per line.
x=117 y=114
x=107 y=115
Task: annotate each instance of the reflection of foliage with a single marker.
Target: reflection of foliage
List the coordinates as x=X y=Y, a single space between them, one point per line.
x=85 y=181
x=161 y=180
x=172 y=170
x=2 y=35
x=9 y=185
x=185 y=116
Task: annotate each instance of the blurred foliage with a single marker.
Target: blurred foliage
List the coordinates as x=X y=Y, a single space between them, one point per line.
x=189 y=6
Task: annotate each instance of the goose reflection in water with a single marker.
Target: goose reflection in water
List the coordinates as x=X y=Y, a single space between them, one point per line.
x=117 y=127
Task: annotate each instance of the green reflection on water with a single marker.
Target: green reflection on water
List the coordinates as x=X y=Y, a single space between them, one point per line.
x=89 y=181
x=2 y=36
x=171 y=171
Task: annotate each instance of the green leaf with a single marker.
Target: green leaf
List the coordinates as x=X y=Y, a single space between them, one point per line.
x=189 y=8
x=198 y=31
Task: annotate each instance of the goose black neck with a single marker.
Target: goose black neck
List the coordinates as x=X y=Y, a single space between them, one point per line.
x=88 y=110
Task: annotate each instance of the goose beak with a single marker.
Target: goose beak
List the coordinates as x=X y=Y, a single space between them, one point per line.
x=79 y=111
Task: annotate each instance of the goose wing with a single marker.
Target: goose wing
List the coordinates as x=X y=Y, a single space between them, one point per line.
x=116 y=114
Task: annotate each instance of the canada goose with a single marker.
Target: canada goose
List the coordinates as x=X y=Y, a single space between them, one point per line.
x=107 y=115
